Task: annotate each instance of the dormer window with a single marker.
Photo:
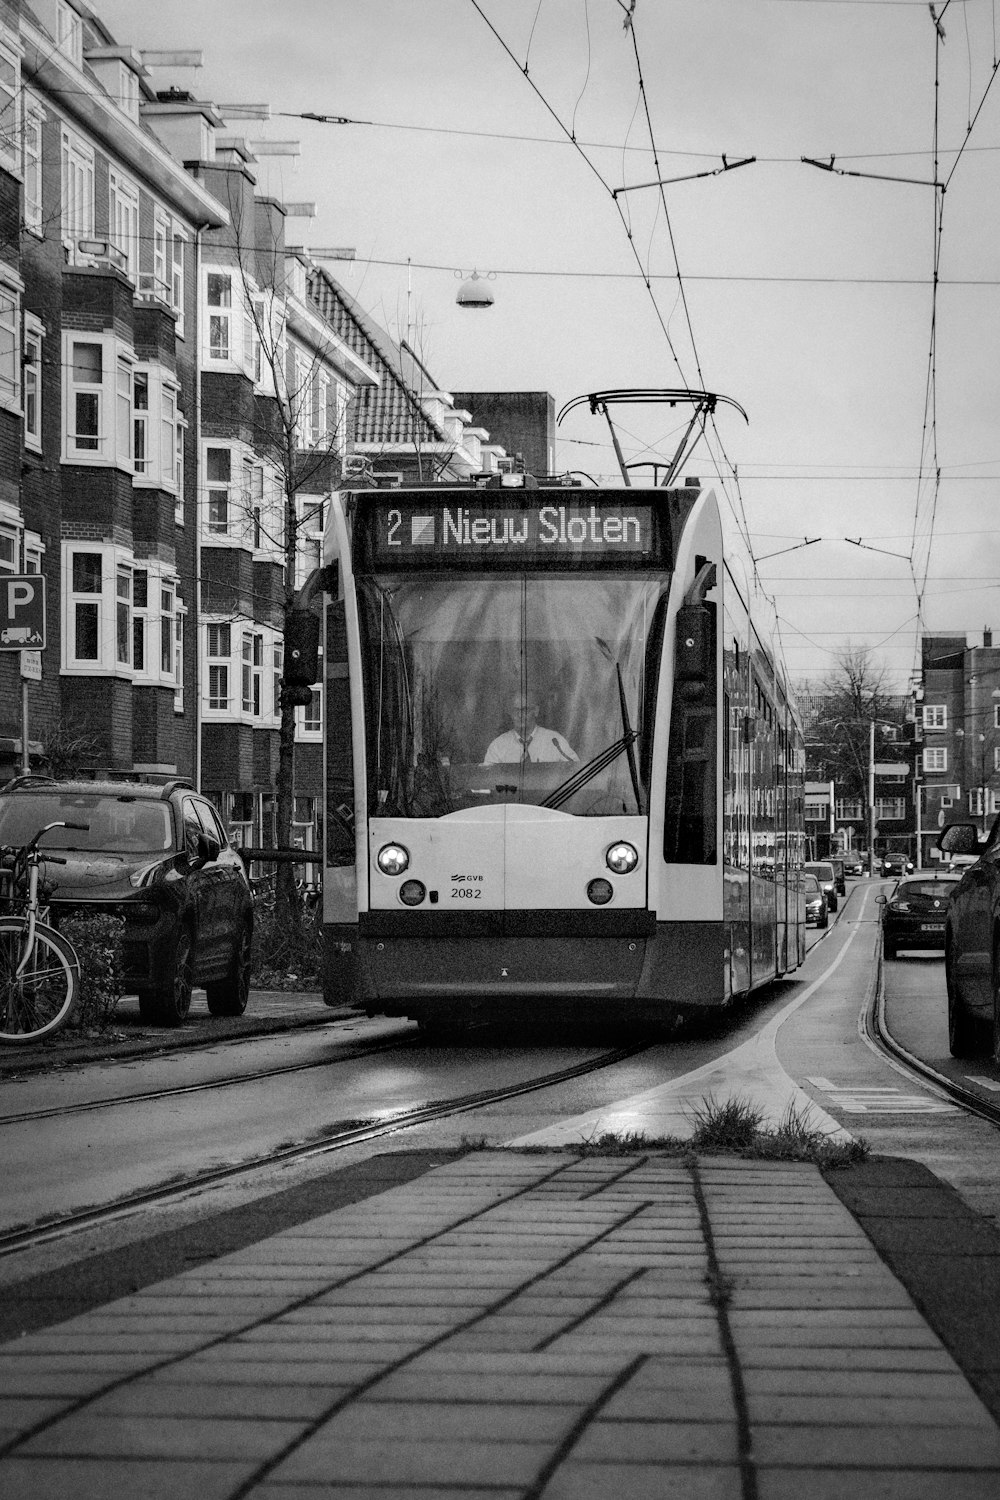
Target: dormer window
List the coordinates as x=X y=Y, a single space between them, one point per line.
x=128 y=91
x=69 y=32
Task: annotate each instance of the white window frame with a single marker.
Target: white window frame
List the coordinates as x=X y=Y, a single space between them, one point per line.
x=179 y=656
x=935 y=715
x=848 y=809
x=69 y=33
x=178 y=245
x=11 y=343
x=935 y=758
x=224 y=347
x=77 y=179
x=218 y=656
x=128 y=90
x=123 y=220
x=34 y=118
x=111 y=444
x=31 y=393
x=10 y=107
x=112 y=603
x=309 y=719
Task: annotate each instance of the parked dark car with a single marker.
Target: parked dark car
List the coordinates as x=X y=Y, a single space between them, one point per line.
x=853 y=863
x=157 y=856
x=816 y=908
x=895 y=863
x=823 y=871
x=972 y=942
x=839 y=875
x=914 y=915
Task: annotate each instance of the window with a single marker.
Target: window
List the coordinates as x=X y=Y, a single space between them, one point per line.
x=310 y=724
x=936 y=759
x=219 y=651
x=10 y=110
x=218 y=472
x=996 y=757
x=179 y=470
x=277 y=671
x=86 y=586
x=124 y=222
x=140 y=421
x=20 y=552
x=161 y=238
x=77 y=192
x=128 y=91
x=849 y=809
x=123 y=615
x=252 y=671
x=935 y=716
x=177 y=279
x=220 y=315
x=10 y=346
x=816 y=812
x=32 y=382
x=179 y=659
x=890 y=809
x=32 y=164
x=123 y=411
x=69 y=32
x=168 y=603
x=168 y=435
x=140 y=607
x=983 y=801
x=87 y=389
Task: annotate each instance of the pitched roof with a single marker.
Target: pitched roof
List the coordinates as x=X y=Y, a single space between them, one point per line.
x=392 y=412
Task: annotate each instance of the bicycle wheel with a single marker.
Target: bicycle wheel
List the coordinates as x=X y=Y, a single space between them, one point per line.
x=39 y=1001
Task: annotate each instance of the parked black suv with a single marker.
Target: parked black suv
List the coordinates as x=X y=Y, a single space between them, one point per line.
x=157 y=856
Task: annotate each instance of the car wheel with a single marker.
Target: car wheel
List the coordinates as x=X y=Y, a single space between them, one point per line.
x=963 y=1032
x=229 y=996
x=167 y=1004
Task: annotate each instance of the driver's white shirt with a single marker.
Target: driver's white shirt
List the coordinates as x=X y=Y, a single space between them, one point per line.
x=541 y=744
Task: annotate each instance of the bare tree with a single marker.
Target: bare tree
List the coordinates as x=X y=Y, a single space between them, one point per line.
x=839 y=714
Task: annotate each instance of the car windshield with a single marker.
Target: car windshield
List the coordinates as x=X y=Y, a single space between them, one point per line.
x=934 y=889
x=822 y=872
x=108 y=823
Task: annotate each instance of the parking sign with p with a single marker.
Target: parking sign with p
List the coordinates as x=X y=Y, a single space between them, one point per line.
x=22 y=612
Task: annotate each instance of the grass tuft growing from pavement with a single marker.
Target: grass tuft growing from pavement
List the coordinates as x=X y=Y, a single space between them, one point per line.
x=734 y=1127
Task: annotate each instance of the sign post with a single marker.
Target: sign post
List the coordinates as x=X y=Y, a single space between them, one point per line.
x=22 y=628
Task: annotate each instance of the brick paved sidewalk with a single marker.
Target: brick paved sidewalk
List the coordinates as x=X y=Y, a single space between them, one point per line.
x=514 y=1325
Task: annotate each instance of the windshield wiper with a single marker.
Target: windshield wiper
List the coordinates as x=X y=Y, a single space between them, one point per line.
x=603 y=759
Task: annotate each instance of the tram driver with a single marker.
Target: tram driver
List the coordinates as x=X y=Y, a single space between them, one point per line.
x=527 y=740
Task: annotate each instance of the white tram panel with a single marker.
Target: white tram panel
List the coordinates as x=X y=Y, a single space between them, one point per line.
x=508 y=857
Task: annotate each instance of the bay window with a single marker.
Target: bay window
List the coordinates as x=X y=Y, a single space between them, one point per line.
x=124 y=221
x=10 y=345
x=220 y=315
x=99 y=402
x=219 y=651
x=10 y=108
x=32 y=164
x=77 y=192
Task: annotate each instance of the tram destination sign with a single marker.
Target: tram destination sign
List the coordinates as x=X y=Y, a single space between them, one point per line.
x=547 y=529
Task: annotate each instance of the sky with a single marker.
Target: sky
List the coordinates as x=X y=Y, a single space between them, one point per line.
x=854 y=318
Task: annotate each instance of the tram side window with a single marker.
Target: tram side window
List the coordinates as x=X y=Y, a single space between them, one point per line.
x=689 y=825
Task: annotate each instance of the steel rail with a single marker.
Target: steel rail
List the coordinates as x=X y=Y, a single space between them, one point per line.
x=151 y=1096
x=29 y=1237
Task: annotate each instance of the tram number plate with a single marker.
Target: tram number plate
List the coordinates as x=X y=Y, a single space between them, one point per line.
x=932 y=927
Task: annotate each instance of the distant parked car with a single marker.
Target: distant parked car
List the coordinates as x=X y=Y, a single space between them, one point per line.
x=895 y=863
x=158 y=857
x=824 y=873
x=816 y=908
x=972 y=942
x=853 y=863
x=914 y=915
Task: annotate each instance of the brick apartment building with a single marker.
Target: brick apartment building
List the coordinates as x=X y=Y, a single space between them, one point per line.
x=179 y=392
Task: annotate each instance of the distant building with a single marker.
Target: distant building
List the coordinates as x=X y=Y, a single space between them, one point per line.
x=522 y=422
x=958 y=719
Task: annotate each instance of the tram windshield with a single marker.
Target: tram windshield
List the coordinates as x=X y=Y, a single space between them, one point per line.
x=506 y=688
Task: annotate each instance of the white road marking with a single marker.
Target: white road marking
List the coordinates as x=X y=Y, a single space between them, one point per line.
x=751 y=1073
x=984 y=1083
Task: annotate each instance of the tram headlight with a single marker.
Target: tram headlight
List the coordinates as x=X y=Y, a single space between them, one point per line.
x=412 y=892
x=621 y=858
x=393 y=859
x=600 y=891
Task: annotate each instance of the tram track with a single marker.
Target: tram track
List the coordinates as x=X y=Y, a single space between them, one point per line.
x=875 y=1030
x=230 y=1080
x=350 y=1133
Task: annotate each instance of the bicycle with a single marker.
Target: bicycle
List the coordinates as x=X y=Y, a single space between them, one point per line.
x=39 y=968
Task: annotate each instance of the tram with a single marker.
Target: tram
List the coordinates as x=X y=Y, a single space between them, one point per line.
x=563 y=770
